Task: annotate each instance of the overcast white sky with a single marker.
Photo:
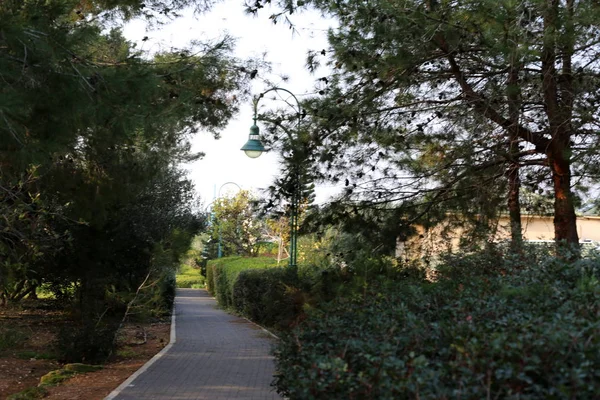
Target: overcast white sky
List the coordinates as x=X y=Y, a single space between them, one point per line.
x=224 y=161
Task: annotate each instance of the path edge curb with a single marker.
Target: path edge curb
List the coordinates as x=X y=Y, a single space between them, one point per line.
x=262 y=328
x=249 y=320
x=145 y=367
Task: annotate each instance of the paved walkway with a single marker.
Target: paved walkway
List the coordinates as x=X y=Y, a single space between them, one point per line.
x=216 y=356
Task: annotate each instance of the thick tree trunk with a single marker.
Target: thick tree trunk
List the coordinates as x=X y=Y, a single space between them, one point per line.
x=557 y=89
x=565 y=220
x=514 y=207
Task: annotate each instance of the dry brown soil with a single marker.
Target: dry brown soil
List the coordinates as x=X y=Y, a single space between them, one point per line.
x=20 y=367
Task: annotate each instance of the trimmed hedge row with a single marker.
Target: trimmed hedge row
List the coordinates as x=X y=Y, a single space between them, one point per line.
x=189 y=277
x=222 y=273
x=510 y=333
x=268 y=296
x=256 y=288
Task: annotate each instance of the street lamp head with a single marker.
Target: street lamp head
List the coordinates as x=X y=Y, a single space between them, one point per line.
x=253 y=147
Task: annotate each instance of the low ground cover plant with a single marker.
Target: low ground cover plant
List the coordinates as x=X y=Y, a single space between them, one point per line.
x=489 y=327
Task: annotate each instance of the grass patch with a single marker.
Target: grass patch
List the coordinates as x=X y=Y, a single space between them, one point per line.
x=82 y=368
x=126 y=352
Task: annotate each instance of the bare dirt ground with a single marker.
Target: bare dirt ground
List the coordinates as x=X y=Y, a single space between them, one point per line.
x=29 y=342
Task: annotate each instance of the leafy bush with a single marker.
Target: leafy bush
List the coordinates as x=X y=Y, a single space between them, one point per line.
x=189 y=281
x=10 y=338
x=509 y=328
x=189 y=277
x=210 y=277
x=267 y=296
x=166 y=291
x=222 y=273
x=88 y=343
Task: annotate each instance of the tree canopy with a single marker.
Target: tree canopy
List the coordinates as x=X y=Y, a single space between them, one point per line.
x=440 y=101
x=92 y=133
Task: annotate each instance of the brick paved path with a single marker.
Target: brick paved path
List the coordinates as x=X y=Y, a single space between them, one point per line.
x=216 y=356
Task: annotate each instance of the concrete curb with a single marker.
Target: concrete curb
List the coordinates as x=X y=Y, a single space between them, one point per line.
x=262 y=328
x=145 y=367
x=252 y=322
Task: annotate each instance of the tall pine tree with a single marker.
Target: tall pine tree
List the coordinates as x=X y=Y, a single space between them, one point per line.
x=444 y=91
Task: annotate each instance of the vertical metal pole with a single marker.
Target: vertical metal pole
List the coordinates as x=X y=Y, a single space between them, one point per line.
x=294 y=222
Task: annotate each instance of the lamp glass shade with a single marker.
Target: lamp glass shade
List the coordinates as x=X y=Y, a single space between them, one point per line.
x=253 y=153
x=253 y=147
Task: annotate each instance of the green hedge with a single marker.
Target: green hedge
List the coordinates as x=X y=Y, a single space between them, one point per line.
x=507 y=331
x=190 y=277
x=268 y=296
x=222 y=273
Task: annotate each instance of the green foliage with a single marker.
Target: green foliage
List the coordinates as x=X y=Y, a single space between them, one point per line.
x=55 y=377
x=192 y=270
x=26 y=235
x=189 y=276
x=343 y=261
x=222 y=274
x=11 y=338
x=521 y=327
x=127 y=352
x=32 y=393
x=85 y=343
x=268 y=296
x=82 y=368
x=235 y=224
x=92 y=131
x=433 y=105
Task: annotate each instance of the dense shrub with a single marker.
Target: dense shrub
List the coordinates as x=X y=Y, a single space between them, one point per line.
x=89 y=343
x=166 y=291
x=11 y=338
x=222 y=274
x=210 y=277
x=190 y=281
x=488 y=328
x=267 y=296
x=189 y=276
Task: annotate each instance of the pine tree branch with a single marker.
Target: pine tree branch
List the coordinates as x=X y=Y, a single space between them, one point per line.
x=483 y=108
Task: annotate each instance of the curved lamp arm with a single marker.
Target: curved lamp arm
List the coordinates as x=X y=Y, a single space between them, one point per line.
x=273 y=89
x=254 y=147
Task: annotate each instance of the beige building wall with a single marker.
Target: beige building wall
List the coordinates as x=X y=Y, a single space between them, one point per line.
x=443 y=238
x=542 y=228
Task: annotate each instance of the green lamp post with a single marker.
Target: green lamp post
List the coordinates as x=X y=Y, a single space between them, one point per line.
x=254 y=148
